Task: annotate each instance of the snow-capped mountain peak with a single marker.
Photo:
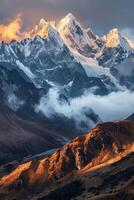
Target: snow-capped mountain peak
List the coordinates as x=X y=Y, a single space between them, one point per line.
x=42 y=21
x=68 y=18
x=77 y=38
x=113 y=38
x=42 y=28
x=117 y=49
x=68 y=23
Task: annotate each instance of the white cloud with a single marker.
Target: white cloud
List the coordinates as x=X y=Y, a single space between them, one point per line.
x=14 y=102
x=50 y=105
x=115 y=106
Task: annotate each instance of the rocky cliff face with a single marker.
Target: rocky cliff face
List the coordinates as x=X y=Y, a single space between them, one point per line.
x=107 y=143
x=78 y=39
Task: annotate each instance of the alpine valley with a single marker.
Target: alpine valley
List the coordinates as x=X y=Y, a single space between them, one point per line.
x=47 y=81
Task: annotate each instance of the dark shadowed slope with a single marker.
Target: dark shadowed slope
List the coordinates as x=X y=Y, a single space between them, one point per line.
x=19 y=138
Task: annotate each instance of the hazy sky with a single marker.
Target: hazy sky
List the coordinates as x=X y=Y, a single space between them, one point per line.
x=100 y=15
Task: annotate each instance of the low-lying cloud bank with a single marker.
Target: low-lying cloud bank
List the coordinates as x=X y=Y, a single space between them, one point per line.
x=115 y=106
x=75 y=110
x=14 y=102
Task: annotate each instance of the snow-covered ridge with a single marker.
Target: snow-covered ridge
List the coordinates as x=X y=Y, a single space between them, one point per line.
x=66 y=58
x=53 y=46
x=78 y=38
x=42 y=29
x=73 y=34
x=84 y=44
x=114 y=38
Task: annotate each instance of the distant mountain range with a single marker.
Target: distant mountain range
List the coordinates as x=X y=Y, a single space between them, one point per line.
x=65 y=57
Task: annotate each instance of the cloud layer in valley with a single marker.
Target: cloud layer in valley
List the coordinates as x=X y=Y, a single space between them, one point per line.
x=115 y=106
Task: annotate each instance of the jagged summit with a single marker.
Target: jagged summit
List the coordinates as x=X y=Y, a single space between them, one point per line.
x=79 y=39
x=117 y=49
x=68 y=20
x=69 y=16
x=76 y=37
x=113 y=38
x=42 y=21
x=42 y=28
x=114 y=31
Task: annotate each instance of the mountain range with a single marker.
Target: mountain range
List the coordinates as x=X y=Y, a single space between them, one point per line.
x=43 y=80
x=65 y=57
x=62 y=62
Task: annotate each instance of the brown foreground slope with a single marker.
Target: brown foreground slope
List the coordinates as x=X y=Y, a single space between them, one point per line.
x=96 y=166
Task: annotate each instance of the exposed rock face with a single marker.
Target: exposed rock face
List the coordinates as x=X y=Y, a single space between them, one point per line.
x=78 y=39
x=113 y=182
x=106 y=142
x=117 y=49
